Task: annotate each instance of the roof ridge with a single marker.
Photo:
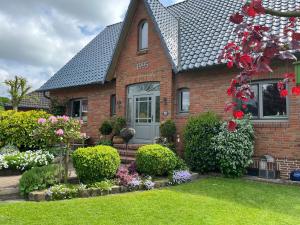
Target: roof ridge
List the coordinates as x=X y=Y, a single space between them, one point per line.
x=176 y=4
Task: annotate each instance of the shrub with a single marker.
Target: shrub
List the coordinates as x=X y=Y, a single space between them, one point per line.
x=198 y=133
x=60 y=192
x=17 y=127
x=39 y=178
x=126 y=177
x=155 y=160
x=27 y=160
x=105 y=142
x=118 y=124
x=95 y=164
x=168 y=130
x=234 y=150
x=106 y=128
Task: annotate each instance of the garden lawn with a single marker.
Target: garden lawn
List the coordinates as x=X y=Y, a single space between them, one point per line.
x=208 y=201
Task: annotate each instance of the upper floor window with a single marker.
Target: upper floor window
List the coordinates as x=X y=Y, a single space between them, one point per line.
x=267 y=102
x=79 y=109
x=184 y=100
x=143 y=35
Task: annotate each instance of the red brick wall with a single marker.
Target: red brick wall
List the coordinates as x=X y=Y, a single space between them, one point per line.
x=98 y=97
x=208 y=93
x=159 y=68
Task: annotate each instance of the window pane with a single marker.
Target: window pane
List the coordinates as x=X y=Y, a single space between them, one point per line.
x=184 y=101
x=143 y=36
x=273 y=104
x=84 y=112
x=251 y=105
x=76 y=109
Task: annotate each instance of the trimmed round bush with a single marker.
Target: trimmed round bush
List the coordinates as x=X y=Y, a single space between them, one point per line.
x=155 y=160
x=199 y=131
x=234 y=149
x=95 y=164
x=106 y=128
x=39 y=178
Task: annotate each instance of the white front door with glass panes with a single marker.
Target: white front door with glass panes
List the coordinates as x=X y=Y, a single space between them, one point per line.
x=143 y=111
x=267 y=103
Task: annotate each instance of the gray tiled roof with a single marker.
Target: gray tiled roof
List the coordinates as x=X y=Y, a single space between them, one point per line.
x=90 y=65
x=194 y=32
x=34 y=100
x=168 y=26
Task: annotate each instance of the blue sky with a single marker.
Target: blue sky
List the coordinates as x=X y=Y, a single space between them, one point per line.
x=42 y=35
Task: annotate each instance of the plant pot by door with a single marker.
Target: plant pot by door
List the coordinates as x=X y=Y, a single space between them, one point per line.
x=118 y=140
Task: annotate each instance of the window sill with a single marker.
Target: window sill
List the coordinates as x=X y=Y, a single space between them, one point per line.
x=183 y=114
x=142 y=52
x=271 y=123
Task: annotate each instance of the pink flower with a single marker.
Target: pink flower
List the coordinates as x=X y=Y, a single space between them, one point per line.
x=59 y=132
x=42 y=120
x=231 y=126
x=65 y=118
x=53 y=119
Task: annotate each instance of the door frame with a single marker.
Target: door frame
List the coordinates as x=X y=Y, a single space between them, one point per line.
x=154 y=125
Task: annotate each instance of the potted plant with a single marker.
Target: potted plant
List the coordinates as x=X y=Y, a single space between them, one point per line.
x=118 y=124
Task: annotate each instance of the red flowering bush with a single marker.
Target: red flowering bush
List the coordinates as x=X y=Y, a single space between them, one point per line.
x=255 y=48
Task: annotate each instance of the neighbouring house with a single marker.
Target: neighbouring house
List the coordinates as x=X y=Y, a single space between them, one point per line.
x=33 y=101
x=161 y=62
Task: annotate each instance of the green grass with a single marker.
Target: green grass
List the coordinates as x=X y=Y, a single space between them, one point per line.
x=209 y=201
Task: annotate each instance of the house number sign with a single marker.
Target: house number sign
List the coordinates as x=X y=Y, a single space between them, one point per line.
x=142 y=65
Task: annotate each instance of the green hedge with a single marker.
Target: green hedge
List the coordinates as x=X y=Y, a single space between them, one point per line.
x=95 y=164
x=39 y=178
x=16 y=128
x=198 y=133
x=155 y=160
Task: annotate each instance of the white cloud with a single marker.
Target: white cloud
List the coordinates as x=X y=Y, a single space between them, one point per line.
x=40 y=36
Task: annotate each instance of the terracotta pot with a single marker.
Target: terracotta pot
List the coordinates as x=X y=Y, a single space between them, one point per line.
x=118 y=140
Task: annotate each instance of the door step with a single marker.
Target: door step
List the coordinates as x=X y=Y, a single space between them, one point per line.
x=128 y=156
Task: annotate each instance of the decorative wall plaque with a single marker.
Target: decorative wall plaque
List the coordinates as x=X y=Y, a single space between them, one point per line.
x=142 y=65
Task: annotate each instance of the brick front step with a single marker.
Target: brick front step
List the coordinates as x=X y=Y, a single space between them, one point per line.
x=127 y=156
x=127 y=160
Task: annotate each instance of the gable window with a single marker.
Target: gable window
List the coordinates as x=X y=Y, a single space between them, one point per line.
x=113 y=105
x=184 y=100
x=79 y=109
x=143 y=35
x=267 y=103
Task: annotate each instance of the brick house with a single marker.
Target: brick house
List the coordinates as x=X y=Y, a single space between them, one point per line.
x=161 y=63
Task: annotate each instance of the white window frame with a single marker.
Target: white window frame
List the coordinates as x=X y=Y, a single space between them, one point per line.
x=261 y=116
x=81 y=110
x=141 y=36
x=180 y=91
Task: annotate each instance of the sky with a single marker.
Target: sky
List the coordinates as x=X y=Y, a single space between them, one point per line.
x=37 y=37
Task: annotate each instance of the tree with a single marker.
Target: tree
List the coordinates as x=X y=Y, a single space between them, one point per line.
x=254 y=50
x=18 y=89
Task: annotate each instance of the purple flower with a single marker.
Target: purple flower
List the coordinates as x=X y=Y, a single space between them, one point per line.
x=181 y=176
x=59 y=132
x=42 y=120
x=149 y=184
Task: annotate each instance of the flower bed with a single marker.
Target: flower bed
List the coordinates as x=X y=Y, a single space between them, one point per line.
x=62 y=192
x=21 y=161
